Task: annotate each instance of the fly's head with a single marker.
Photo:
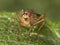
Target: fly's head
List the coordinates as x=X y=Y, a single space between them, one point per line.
x=26 y=16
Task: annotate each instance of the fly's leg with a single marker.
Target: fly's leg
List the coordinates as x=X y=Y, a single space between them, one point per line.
x=29 y=34
x=42 y=20
x=41 y=17
x=14 y=20
x=39 y=21
x=19 y=31
x=19 y=28
x=41 y=26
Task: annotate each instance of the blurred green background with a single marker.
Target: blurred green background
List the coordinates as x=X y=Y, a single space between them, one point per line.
x=50 y=7
x=49 y=34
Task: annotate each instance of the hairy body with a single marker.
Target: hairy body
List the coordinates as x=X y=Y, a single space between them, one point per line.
x=28 y=18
